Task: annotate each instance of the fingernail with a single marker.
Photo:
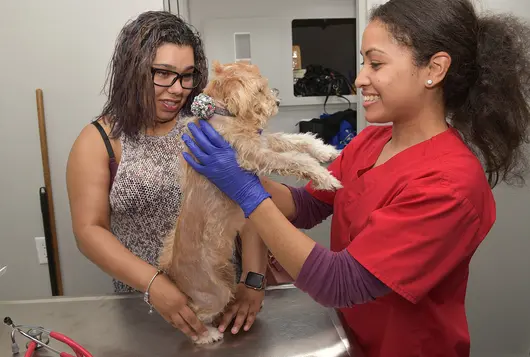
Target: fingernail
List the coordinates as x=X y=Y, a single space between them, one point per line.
x=222 y=328
x=234 y=330
x=205 y=334
x=194 y=338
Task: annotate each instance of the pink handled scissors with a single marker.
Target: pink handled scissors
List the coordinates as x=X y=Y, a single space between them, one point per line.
x=36 y=331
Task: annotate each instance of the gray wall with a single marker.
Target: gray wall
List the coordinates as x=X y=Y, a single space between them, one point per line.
x=64 y=48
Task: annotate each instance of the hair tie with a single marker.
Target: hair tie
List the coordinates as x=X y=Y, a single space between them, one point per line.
x=203 y=106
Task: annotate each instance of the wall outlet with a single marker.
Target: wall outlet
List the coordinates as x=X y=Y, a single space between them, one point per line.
x=42 y=254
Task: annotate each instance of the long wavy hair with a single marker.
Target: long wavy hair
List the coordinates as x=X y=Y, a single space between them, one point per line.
x=487 y=87
x=130 y=107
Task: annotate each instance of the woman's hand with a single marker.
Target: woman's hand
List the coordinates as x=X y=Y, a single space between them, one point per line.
x=218 y=163
x=244 y=308
x=171 y=304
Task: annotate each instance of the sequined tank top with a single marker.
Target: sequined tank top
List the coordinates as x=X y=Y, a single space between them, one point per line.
x=145 y=196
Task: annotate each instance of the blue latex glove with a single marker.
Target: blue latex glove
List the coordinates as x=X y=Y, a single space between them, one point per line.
x=218 y=163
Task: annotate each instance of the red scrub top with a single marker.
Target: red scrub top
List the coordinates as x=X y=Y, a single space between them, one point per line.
x=414 y=222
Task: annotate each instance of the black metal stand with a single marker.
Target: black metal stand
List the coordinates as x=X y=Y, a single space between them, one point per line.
x=52 y=267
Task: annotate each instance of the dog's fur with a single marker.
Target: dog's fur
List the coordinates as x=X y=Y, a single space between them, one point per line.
x=198 y=256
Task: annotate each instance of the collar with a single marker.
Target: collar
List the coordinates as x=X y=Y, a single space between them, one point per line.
x=222 y=111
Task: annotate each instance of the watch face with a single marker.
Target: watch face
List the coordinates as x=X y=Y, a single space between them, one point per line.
x=254 y=280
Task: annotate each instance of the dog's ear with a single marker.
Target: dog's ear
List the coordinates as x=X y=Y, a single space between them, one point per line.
x=238 y=98
x=217 y=67
x=254 y=69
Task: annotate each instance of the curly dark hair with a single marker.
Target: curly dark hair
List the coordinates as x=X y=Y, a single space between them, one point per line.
x=487 y=87
x=130 y=106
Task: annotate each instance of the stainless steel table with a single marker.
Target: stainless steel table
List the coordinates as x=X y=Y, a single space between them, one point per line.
x=291 y=324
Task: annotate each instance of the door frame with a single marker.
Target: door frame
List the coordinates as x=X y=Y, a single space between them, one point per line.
x=178 y=7
x=361 y=14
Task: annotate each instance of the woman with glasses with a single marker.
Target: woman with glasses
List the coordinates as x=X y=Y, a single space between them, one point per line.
x=123 y=192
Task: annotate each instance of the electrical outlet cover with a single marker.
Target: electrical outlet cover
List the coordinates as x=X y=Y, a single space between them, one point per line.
x=42 y=254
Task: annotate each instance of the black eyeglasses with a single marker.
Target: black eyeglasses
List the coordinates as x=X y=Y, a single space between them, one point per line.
x=166 y=78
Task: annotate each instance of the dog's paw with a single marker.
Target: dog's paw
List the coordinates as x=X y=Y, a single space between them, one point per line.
x=325 y=153
x=326 y=183
x=214 y=335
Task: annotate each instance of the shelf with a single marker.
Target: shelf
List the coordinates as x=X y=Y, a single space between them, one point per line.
x=332 y=100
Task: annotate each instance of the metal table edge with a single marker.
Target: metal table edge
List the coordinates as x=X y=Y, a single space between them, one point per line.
x=332 y=312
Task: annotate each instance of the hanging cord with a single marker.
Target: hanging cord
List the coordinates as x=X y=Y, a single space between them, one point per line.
x=330 y=88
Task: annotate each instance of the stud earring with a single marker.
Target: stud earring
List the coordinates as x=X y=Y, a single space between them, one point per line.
x=429 y=82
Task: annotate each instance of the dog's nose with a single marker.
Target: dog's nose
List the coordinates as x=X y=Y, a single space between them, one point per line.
x=276 y=94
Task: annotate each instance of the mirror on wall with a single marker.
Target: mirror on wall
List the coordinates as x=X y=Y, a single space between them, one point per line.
x=324 y=60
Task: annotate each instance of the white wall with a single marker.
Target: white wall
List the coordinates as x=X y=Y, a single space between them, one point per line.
x=201 y=11
x=269 y=24
x=499 y=287
x=63 y=47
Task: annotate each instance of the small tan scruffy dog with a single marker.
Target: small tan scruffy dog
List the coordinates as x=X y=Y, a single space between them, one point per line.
x=238 y=103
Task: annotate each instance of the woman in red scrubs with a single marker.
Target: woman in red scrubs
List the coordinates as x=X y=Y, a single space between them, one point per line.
x=415 y=203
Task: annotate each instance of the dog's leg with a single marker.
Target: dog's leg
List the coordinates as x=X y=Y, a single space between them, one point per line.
x=301 y=142
x=264 y=161
x=213 y=335
x=210 y=303
x=208 y=225
x=207 y=318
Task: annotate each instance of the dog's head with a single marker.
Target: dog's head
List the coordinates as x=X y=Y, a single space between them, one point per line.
x=244 y=92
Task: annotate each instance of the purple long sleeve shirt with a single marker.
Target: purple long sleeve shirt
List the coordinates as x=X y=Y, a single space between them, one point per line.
x=333 y=279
